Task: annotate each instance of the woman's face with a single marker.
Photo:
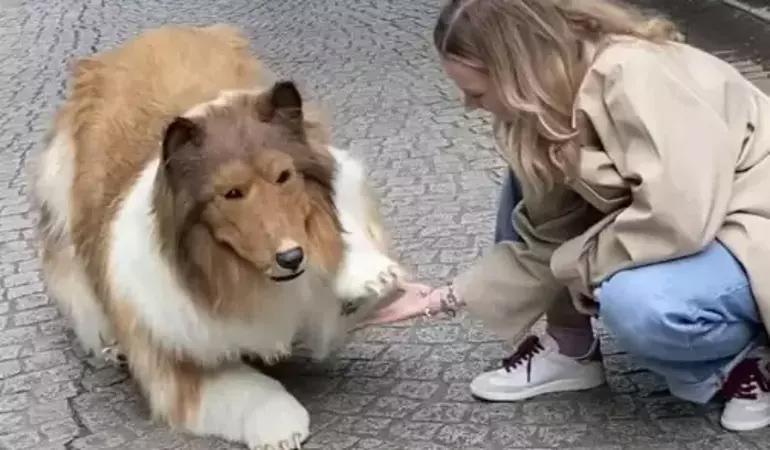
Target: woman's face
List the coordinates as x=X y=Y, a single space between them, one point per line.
x=476 y=86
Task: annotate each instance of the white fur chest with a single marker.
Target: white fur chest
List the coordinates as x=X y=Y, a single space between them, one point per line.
x=139 y=275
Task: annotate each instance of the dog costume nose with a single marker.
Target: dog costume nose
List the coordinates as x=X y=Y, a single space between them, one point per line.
x=290 y=259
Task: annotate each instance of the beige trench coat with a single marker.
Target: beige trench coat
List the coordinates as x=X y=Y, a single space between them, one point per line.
x=681 y=159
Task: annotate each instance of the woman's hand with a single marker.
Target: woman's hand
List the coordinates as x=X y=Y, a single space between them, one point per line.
x=416 y=300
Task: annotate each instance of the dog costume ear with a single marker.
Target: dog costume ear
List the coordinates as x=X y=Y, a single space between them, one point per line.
x=182 y=142
x=179 y=134
x=281 y=104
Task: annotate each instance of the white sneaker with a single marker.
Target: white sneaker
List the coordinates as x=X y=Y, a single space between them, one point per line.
x=748 y=392
x=538 y=368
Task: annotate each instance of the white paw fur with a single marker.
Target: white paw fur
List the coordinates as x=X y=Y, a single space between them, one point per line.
x=366 y=273
x=243 y=405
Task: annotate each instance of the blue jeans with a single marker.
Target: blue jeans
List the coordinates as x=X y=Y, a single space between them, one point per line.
x=510 y=196
x=690 y=320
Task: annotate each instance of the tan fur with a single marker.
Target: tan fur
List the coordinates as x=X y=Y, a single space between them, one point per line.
x=172 y=384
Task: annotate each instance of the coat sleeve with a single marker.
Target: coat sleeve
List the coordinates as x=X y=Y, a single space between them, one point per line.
x=672 y=147
x=511 y=286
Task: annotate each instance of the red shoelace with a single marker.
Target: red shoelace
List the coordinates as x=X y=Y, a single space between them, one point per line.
x=745 y=379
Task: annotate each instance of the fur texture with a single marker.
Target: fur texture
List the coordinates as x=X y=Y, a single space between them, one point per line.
x=192 y=212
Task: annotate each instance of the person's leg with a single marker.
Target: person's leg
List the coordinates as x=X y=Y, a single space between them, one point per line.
x=691 y=320
x=564 y=359
x=571 y=329
x=510 y=196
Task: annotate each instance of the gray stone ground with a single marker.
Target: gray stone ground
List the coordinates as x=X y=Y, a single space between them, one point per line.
x=397 y=387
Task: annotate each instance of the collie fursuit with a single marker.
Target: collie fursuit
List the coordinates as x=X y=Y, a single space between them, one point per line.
x=192 y=212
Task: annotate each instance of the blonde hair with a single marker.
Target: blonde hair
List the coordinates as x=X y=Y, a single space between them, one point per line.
x=532 y=51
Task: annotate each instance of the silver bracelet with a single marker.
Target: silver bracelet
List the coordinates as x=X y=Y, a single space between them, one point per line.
x=450 y=303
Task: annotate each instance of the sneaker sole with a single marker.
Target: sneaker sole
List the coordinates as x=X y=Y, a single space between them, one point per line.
x=745 y=426
x=553 y=386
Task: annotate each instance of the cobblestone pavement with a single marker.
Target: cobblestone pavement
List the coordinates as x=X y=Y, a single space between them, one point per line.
x=397 y=387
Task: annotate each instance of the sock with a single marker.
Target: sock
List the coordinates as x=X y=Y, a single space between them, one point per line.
x=573 y=342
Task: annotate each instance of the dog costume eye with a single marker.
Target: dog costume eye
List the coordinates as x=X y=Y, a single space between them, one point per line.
x=283 y=177
x=233 y=194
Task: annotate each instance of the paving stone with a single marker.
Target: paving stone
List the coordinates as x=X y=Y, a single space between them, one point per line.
x=345 y=403
x=394 y=407
x=362 y=385
x=450 y=353
x=419 y=390
x=403 y=386
x=361 y=425
x=407 y=352
x=100 y=440
x=45 y=360
x=14 y=402
x=20 y=440
x=49 y=411
x=506 y=435
x=9 y=368
x=35 y=316
x=442 y=413
x=64 y=430
x=10 y=422
x=30 y=301
x=462 y=435
x=414 y=431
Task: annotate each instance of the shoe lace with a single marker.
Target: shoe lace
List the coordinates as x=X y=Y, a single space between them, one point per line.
x=746 y=380
x=528 y=348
